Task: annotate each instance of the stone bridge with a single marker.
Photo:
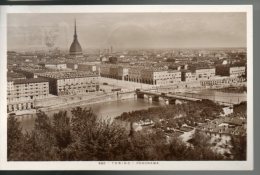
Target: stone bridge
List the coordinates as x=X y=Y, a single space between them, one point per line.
x=172 y=98
x=168 y=98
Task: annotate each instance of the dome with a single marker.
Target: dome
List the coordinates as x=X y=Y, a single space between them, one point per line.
x=75 y=48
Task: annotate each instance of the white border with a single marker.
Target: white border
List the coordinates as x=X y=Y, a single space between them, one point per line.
x=133 y=165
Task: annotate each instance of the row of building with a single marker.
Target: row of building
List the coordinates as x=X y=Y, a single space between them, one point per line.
x=22 y=91
x=164 y=76
x=154 y=75
x=224 y=127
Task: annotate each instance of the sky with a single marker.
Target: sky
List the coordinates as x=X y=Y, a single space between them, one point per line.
x=127 y=30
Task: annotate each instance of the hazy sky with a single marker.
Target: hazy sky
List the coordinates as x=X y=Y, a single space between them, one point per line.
x=126 y=30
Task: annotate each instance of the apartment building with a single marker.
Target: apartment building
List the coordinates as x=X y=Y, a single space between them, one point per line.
x=72 y=83
x=22 y=93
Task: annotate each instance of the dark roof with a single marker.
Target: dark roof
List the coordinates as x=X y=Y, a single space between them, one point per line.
x=31 y=80
x=14 y=75
x=75 y=46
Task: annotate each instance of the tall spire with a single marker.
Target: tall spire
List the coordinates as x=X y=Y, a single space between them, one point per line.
x=75 y=48
x=75 y=30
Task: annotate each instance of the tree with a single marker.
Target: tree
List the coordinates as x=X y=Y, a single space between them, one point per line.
x=14 y=137
x=61 y=127
x=82 y=119
x=42 y=139
x=177 y=150
x=200 y=139
x=94 y=139
x=239 y=149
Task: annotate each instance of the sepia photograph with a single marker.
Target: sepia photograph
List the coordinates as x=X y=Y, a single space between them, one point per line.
x=134 y=89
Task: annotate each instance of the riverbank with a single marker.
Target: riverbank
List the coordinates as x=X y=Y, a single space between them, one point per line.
x=94 y=100
x=233 y=89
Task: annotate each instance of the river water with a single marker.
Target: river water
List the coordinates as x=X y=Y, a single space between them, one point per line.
x=104 y=110
x=115 y=108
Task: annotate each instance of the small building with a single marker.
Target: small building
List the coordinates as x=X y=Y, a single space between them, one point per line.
x=88 y=67
x=54 y=65
x=205 y=73
x=237 y=71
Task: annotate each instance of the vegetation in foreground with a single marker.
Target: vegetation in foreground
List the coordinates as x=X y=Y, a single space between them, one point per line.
x=84 y=137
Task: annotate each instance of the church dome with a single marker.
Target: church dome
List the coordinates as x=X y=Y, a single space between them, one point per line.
x=75 y=48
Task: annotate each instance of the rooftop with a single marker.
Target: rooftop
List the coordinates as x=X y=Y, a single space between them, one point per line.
x=68 y=75
x=216 y=126
x=31 y=80
x=14 y=75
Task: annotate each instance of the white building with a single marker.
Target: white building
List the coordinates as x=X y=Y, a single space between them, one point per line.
x=72 y=83
x=237 y=71
x=205 y=73
x=56 y=65
x=22 y=93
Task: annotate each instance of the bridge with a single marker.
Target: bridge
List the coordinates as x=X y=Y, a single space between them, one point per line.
x=175 y=98
x=168 y=98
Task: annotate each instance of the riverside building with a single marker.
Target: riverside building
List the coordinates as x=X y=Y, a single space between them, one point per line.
x=22 y=93
x=237 y=71
x=72 y=83
x=160 y=77
x=205 y=73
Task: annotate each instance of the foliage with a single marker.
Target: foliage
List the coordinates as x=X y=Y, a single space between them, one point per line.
x=240 y=108
x=239 y=147
x=84 y=137
x=189 y=113
x=14 y=137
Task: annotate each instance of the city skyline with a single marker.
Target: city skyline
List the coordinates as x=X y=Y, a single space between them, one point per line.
x=124 y=30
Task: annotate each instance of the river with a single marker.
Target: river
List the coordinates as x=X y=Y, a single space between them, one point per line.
x=104 y=110
x=115 y=108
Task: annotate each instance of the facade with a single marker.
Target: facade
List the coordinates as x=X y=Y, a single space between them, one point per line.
x=217 y=81
x=166 y=77
x=56 y=65
x=205 y=73
x=134 y=74
x=113 y=72
x=88 y=67
x=123 y=73
x=105 y=70
x=188 y=76
x=140 y=74
x=230 y=71
x=237 y=71
x=72 y=83
x=22 y=93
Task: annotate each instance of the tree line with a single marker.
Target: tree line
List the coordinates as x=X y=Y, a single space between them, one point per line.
x=86 y=138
